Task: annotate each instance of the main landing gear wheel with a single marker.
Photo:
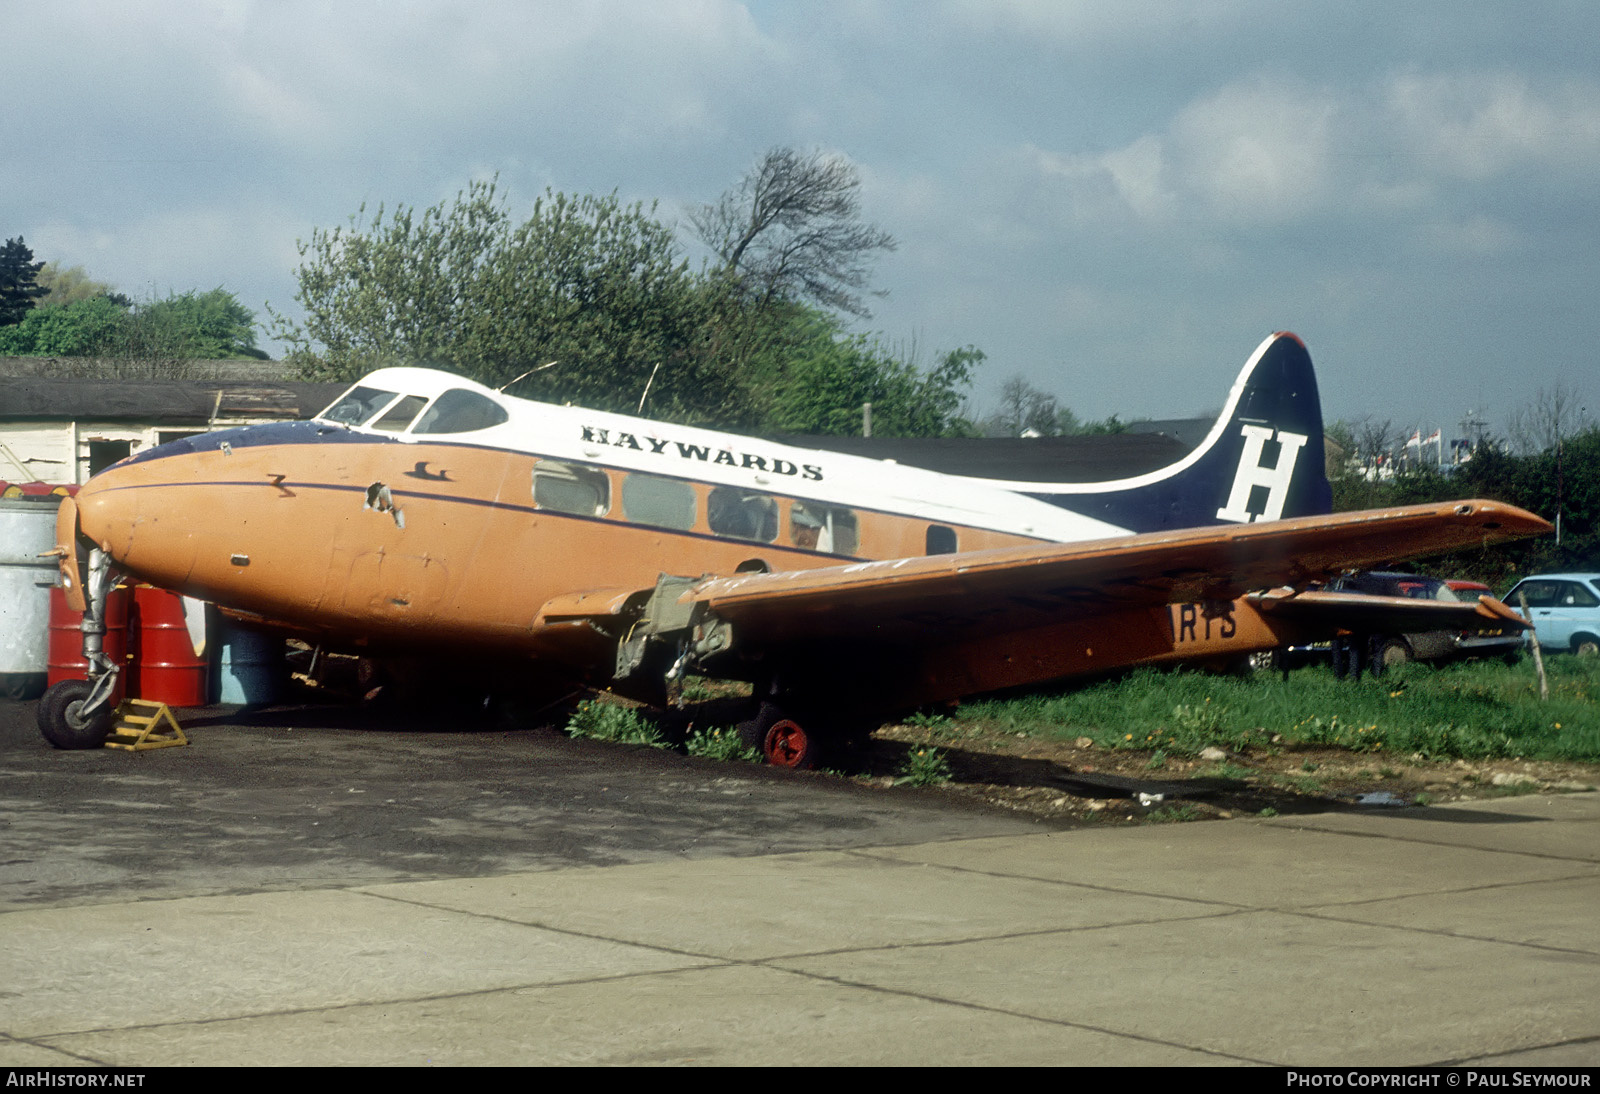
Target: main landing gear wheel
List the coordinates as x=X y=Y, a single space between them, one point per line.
x=785 y=740
x=61 y=717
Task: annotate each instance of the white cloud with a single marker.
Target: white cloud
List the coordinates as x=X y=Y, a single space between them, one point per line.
x=1253 y=153
x=1256 y=152
x=1266 y=152
x=1478 y=126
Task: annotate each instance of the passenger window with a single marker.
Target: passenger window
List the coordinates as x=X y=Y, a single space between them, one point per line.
x=816 y=527
x=1574 y=595
x=651 y=499
x=737 y=512
x=941 y=540
x=566 y=489
x=461 y=411
x=357 y=405
x=399 y=416
x=1540 y=594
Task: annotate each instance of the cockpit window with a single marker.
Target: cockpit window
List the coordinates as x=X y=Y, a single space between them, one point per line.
x=399 y=416
x=357 y=405
x=460 y=411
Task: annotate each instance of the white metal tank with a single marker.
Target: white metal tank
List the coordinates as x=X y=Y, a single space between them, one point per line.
x=27 y=529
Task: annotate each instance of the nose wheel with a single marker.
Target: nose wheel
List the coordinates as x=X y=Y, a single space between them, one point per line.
x=71 y=716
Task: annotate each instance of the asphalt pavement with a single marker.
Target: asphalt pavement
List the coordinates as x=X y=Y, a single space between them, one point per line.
x=305 y=887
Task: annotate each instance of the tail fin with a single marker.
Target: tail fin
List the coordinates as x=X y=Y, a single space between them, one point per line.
x=1263 y=460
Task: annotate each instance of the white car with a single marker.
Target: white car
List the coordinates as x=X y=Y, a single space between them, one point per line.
x=1564 y=608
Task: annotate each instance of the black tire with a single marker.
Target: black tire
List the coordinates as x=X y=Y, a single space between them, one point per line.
x=60 y=720
x=753 y=730
x=1394 y=653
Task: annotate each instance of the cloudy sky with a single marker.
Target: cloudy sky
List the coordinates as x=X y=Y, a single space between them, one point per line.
x=1115 y=199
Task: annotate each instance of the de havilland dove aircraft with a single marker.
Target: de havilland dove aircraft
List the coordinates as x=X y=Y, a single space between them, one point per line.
x=426 y=515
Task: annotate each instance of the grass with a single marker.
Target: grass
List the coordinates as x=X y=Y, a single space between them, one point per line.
x=603 y=721
x=1471 y=710
x=720 y=744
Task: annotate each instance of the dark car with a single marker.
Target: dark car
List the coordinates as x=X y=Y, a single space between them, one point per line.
x=1397 y=649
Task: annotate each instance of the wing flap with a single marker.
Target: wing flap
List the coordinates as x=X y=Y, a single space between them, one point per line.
x=1389 y=614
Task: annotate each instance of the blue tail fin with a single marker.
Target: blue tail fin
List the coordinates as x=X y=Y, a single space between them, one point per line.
x=1263 y=460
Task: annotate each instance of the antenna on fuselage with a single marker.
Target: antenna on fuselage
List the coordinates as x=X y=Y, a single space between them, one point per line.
x=530 y=372
x=647 y=384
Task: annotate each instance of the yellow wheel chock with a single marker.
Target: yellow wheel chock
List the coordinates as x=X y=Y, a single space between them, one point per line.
x=139 y=726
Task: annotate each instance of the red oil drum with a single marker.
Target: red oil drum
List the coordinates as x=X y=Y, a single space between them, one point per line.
x=165 y=667
x=66 y=639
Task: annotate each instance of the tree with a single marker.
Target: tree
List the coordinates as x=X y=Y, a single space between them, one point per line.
x=600 y=289
x=587 y=282
x=208 y=325
x=804 y=373
x=1553 y=415
x=101 y=336
x=19 y=288
x=792 y=231
x=1023 y=408
x=70 y=285
x=84 y=328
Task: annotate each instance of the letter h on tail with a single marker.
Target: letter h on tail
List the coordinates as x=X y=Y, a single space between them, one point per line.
x=1251 y=474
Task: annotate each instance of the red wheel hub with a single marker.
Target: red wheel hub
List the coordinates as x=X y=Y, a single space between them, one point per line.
x=788 y=744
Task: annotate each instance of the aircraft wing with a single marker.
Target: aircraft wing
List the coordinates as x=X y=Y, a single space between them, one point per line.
x=1012 y=588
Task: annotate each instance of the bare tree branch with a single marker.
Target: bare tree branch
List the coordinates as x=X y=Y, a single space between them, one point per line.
x=792 y=230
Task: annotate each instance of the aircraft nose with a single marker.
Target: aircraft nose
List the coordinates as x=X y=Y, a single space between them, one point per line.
x=130 y=520
x=107 y=514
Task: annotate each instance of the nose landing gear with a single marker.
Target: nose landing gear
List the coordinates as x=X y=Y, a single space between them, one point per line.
x=77 y=714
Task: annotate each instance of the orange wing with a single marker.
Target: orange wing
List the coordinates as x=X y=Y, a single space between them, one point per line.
x=1012 y=588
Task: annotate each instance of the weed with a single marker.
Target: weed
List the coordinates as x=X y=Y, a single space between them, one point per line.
x=1158 y=760
x=1267 y=811
x=610 y=722
x=924 y=767
x=1201 y=719
x=720 y=744
x=1173 y=814
x=923 y=719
